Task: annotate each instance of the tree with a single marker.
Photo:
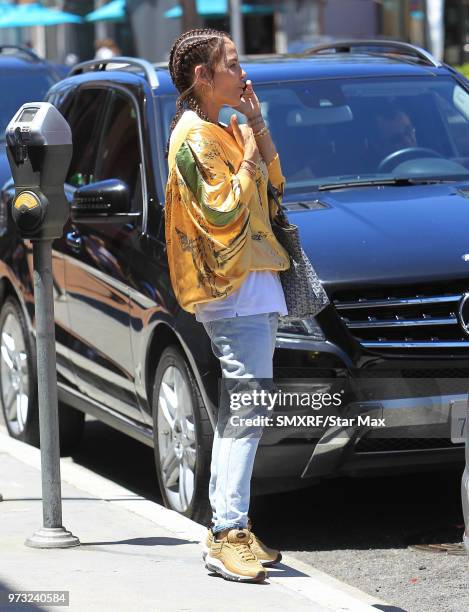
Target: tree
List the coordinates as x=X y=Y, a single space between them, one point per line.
x=190 y=17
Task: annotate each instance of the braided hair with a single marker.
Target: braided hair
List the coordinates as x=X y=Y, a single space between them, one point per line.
x=200 y=46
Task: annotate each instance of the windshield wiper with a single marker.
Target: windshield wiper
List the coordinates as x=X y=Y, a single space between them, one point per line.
x=397 y=181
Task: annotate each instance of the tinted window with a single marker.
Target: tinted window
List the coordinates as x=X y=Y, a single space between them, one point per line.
x=119 y=155
x=84 y=121
x=336 y=130
x=63 y=100
x=18 y=88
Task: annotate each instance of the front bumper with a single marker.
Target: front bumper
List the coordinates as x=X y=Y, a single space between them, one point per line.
x=416 y=436
x=398 y=445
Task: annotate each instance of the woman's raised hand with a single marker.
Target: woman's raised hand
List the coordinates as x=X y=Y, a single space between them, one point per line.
x=244 y=136
x=249 y=103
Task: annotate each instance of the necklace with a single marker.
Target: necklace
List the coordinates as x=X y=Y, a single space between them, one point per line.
x=203 y=116
x=195 y=106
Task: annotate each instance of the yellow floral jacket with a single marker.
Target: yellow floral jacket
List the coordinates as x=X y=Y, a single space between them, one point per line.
x=217 y=217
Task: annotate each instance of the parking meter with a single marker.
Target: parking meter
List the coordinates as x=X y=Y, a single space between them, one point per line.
x=39 y=149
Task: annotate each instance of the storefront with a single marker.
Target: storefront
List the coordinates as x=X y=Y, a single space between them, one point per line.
x=404 y=20
x=457 y=31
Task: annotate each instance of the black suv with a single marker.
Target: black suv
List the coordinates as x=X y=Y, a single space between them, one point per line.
x=387 y=234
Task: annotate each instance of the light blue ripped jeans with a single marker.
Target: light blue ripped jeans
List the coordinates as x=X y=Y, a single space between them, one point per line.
x=245 y=347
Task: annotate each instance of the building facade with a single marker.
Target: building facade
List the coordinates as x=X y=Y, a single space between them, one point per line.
x=286 y=26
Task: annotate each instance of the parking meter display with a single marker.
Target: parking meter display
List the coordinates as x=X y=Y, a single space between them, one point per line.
x=39 y=149
x=28 y=114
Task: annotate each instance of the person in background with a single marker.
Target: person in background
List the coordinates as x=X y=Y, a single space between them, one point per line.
x=106 y=48
x=392 y=131
x=71 y=59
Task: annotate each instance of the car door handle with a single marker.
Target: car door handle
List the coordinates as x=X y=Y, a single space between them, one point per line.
x=74 y=240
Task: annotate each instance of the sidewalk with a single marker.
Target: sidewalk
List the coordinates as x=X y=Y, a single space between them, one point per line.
x=134 y=554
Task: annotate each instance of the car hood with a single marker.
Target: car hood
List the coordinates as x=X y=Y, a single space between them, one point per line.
x=386 y=235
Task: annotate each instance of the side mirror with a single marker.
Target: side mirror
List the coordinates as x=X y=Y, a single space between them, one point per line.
x=102 y=202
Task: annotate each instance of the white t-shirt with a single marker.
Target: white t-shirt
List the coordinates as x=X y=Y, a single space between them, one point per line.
x=260 y=292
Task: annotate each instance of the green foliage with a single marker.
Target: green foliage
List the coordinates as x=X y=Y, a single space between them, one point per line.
x=464 y=68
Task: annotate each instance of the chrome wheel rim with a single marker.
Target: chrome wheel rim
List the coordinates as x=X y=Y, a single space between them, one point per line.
x=14 y=375
x=176 y=439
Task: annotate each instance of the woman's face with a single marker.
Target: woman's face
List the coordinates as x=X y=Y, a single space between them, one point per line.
x=227 y=81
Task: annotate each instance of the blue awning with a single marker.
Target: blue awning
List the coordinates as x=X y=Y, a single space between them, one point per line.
x=112 y=11
x=215 y=8
x=28 y=15
x=5 y=6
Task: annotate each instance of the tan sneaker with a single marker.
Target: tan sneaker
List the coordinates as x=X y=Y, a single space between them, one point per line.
x=267 y=556
x=232 y=558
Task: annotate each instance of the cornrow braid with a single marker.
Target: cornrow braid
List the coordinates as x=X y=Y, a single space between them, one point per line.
x=199 y=46
x=201 y=34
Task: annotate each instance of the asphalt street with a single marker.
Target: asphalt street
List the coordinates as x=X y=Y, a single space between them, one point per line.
x=360 y=531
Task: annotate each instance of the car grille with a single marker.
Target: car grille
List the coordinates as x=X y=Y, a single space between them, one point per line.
x=287 y=372
x=406 y=320
x=384 y=445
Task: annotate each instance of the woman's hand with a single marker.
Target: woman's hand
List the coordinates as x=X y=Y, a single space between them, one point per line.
x=244 y=136
x=249 y=104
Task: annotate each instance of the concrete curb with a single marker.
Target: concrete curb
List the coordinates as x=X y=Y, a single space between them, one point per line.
x=320 y=588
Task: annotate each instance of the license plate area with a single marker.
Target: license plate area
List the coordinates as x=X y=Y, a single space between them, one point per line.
x=459 y=422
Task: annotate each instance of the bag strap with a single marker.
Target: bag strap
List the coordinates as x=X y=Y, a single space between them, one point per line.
x=281 y=216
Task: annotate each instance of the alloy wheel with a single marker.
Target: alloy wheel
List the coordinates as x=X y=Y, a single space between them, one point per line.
x=176 y=438
x=14 y=374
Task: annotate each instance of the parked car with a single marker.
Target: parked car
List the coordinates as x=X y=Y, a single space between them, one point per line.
x=387 y=234
x=24 y=77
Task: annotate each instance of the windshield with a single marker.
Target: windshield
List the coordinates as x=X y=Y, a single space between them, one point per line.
x=370 y=129
x=20 y=88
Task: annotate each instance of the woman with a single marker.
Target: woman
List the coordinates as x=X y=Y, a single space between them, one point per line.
x=224 y=262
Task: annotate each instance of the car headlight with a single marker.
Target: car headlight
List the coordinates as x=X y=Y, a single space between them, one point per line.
x=301 y=327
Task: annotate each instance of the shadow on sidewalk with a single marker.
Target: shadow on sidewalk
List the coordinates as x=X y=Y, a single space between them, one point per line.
x=15 y=499
x=6 y=606
x=151 y=541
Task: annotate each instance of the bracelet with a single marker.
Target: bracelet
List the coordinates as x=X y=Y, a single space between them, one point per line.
x=251 y=162
x=262 y=132
x=255 y=119
x=249 y=171
x=257 y=125
x=250 y=167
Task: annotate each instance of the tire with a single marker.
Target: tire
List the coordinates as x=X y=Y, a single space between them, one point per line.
x=18 y=384
x=183 y=438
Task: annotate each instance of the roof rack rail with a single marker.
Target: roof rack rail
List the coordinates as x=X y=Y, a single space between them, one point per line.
x=345 y=46
x=29 y=52
x=101 y=64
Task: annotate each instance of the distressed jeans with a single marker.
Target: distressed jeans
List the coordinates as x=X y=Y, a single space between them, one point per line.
x=244 y=346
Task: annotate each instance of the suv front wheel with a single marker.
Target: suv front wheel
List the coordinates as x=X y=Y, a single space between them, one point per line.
x=182 y=438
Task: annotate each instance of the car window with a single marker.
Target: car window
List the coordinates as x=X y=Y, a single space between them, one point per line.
x=84 y=121
x=119 y=155
x=334 y=130
x=456 y=115
x=63 y=101
x=18 y=88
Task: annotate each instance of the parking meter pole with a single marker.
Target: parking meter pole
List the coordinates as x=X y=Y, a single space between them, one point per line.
x=52 y=534
x=39 y=149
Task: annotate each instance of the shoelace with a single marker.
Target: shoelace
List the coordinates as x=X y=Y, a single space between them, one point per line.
x=244 y=552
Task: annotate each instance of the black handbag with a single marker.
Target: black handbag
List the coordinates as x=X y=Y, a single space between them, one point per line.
x=304 y=294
